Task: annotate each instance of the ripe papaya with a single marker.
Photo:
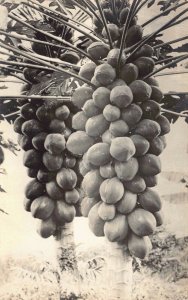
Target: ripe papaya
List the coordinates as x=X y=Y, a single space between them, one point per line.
x=45 y=114
x=139 y=246
x=27 y=204
x=95 y=82
x=81 y=95
x=90 y=109
x=83 y=169
x=129 y=73
x=107 y=171
x=151 y=81
x=32 y=172
x=98 y=50
x=79 y=120
x=127 y=203
x=148 y=128
x=151 y=181
x=131 y=114
x=106 y=211
x=164 y=124
x=156 y=146
x=34 y=189
x=66 y=179
x=122 y=148
x=46 y=228
x=91 y=183
x=141 y=144
x=52 y=162
x=117 y=229
x=107 y=137
x=62 y=113
x=69 y=161
x=96 y=125
x=142 y=222
x=159 y=216
x=123 y=15
x=163 y=139
x=31 y=128
x=141 y=90
x=119 y=128
x=149 y=165
x=79 y=142
x=145 y=65
x=42 y=207
x=117 y=82
x=86 y=161
x=113 y=30
x=43 y=175
x=121 y=96
x=101 y=97
x=145 y=51
x=64 y=213
x=55 y=143
x=32 y=159
x=134 y=35
x=99 y=154
x=156 y=94
x=111 y=190
x=56 y=126
x=87 y=70
x=70 y=56
x=18 y=124
x=151 y=109
x=96 y=224
x=126 y=170
x=72 y=197
x=105 y=74
x=111 y=113
x=150 y=200
x=86 y=205
x=54 y=191
x=28 y=111
x=113 y=57
x=25 y=142
x=38 y=141
x=136 y=185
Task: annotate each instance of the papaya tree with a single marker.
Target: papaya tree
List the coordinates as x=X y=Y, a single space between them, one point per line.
x=91 y=120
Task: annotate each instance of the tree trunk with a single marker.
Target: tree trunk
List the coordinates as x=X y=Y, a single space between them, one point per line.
x=66 y=256
x=119 y=272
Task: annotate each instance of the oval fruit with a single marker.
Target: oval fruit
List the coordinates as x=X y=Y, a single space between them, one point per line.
x=55 y=143
x=87 y=70
x=136 y=185
x=113 y=57
x=156 y=94
x=43 y=175
x=146 y=51
x=134 y=35
x=142 y=222
x=107 y=137
x=31 y=128
x=121 y=96
x=150 y=200
x=101 y=97
x=122 y=148
x=64 y=213
x=129 y=73
x=99 y=154
x=96 y=224
x=98 y=50
x=91 y=183
x=150 y=181
x=79 y=142
x=54 y=191
x=34 y=189
x=90 y=109
x=131 y=115
x=164 y=124
x=86 y=205
x=57 y=126
x=38 y=141
x=72 y=197
x=141 y=144
x=111 y=190
x=151 y=81
x=52 y=162
x=151 y=109
x=66 y=179
x=62 y=113
x=113 y=31
x=159 y=217
x=148 y=129
x=25 y=142
x=119 y=128
x=96 y=125
x=117 y=82
x=28 y=111
x=145 y=65
x=116 y=230
x=32 y=172
x=126 y=170
x=111 y=113
x=141 y=90
x=107 y=171
x=105 y=74
x=42 y=207
x=149 y=165
x=127 y=203
x=27 y=204
x=32 y=159
x=139 y=246
x=81 y=95
x=106 y=212
x=18 y=124
x=46 y=228
x=79 y=121
x=156 y=146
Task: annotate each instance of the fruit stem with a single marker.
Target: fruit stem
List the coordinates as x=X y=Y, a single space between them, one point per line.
x=177 y=22
x=36 y=97
x=140 y=6
x=174 y=113
x=171 y=73
x=19 y=77
x=70 y=74
x=167 y=59
x=8 y=54
x=163 y=13
x=91 y=9
x=166 y=66
x=53 y=37
x=170 y=42
x=105 y=24
x=114 y=9
x=175 y=93
x=20 y=64
x=9 y=80
x=9 y=68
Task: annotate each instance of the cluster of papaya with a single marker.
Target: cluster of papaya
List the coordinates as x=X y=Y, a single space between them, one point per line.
x=120 y=134
x=51 y=196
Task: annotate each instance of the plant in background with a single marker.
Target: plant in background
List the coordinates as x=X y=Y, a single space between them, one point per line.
x=92 y=121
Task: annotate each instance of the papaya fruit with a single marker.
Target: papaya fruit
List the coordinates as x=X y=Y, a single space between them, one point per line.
x=87 y=70
x=139 y=246
x=107 y=171
x=164 y=124
x=141 y=90
x=31 y=128
x=142 y=222
x=72 y=197
x=55 y=143
x=101 y=97
x=96 y=224
x=147 y=128
x=90 y=109
x=43 y=175
x=91 y=183
x=28 y=111
x=30 y=74
x=126 y=170
x=96 y=126
x=134 y=35
x=32 y=172
x=119 y=128
x=38 y=141
x=42 y=207
x=27 y=204
x=79 y=121
x=121 y=96
x=117 y=229
x=32 y=159
x=107 y=137
x=111 y=113
x=45 y=114
x=106 y=212
x=69 y=161
x=86 y=161
x=117 y=82
x=141 y=144
x=127 y=203
x=163 y=139
x=145 y=65
x=122 y=148
x=79 y=142
x=64 y=213
x=56 y=126
x=83 y=169
x=105 y=74
x=113 y=57
x=145 y=51
x=150 y=200
x=136 y=185
x=66 y=179
x=113 y=30
x=149 y=165
x=129 y=73
x=108 y=15
x=46 y=228
x=151 y=109
x=131 y=114
x=52 y=162
x=81 y=95
x=111 y=190
x=151 y=181
x=25 y=142
x=98 y=50
x=70 y=56
x=54 y=190
x=34 y=189
x=159 y=217
x=99 y=154
x=157 y=94
x=123 y=15
x=151 y=81
x=62 y=113
x=156 y=146
x=95 y=82
x=18 y=124
x=86 y=205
